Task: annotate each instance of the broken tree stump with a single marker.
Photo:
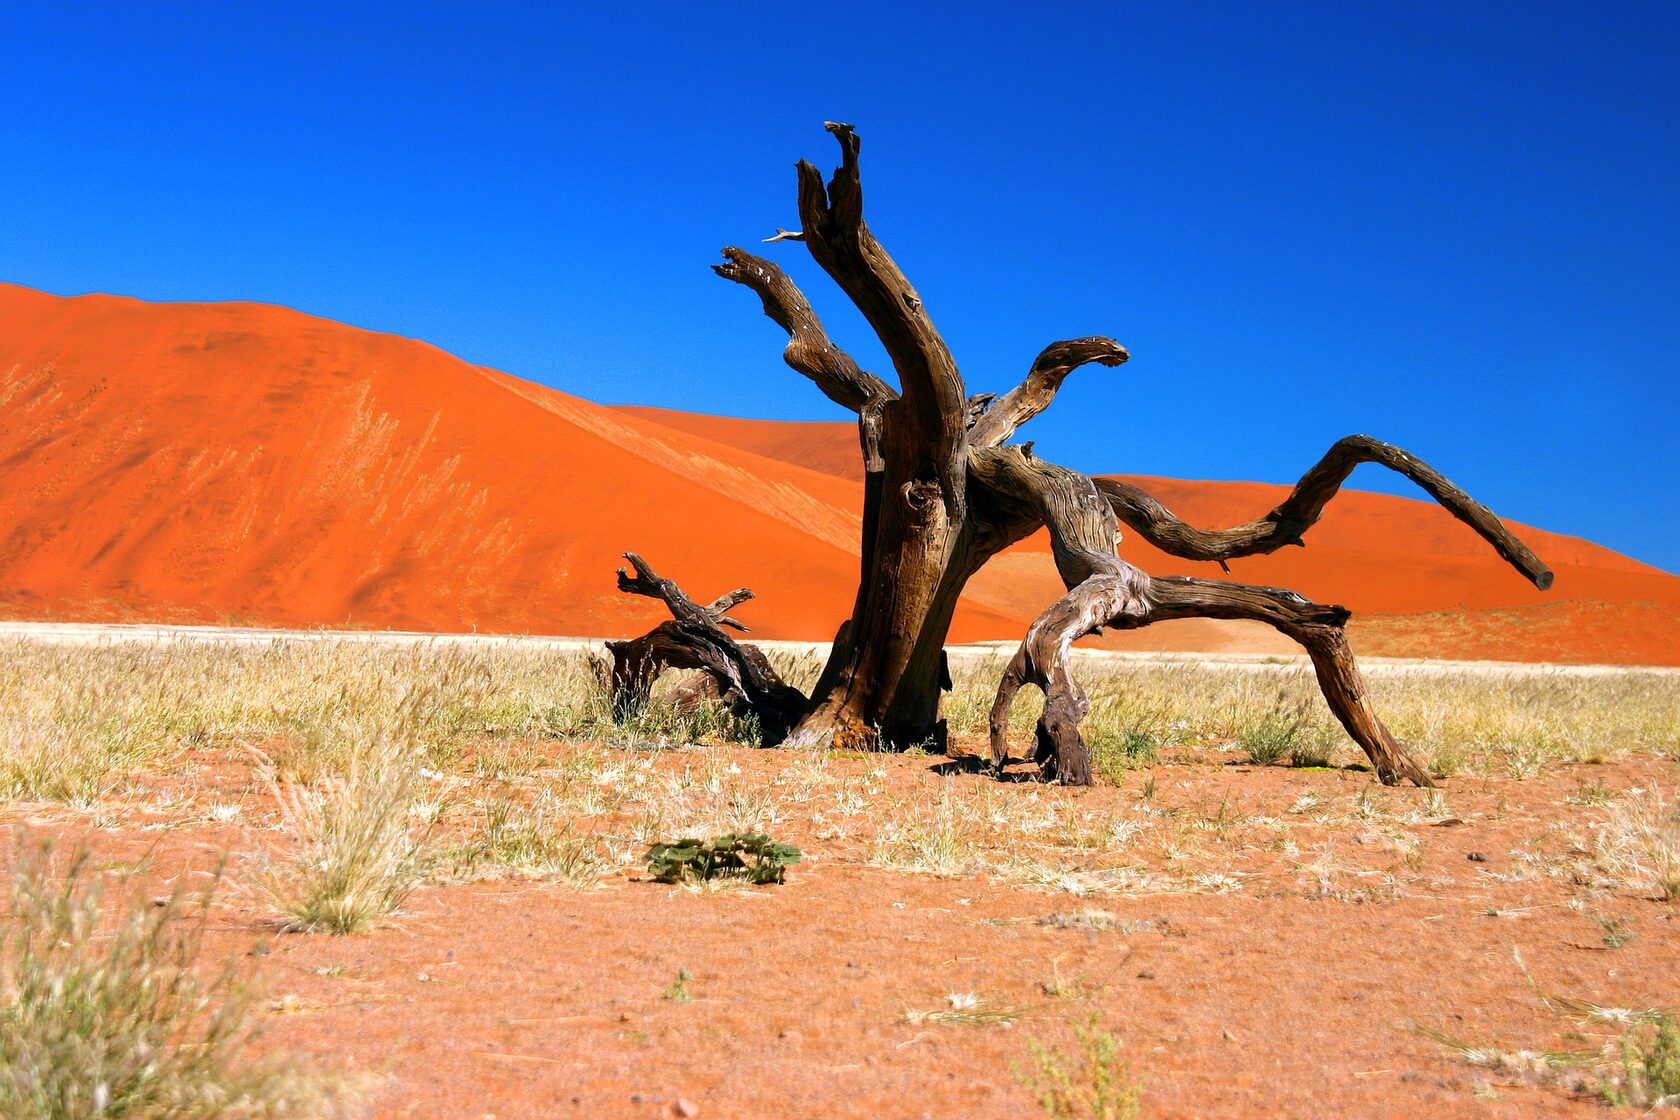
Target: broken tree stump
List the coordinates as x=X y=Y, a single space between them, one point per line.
x=743 y=677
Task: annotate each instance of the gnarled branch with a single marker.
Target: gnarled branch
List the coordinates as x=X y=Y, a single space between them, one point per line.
x=1104 y=590
x=1128 y=600
x=1034 y=395
x=809 y=349
x=1083 y=532
x=719 y=607
x=841 y=243
x=693 y=639
x=1302 y=509
x=648 y=582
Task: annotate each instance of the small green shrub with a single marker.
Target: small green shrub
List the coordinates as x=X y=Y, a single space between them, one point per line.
x=1271 y=736
x=1112 y=756
x=1650 y=1067
x=1098 y=1085
x=1314 y=748
x=752 y=856
x=677 y=990
x=1267 y=741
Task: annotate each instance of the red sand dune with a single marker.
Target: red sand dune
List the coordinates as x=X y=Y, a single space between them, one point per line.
x=236 y=462
x=1422 y=584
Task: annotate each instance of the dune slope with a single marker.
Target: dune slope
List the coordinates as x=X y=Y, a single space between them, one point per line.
x=1420 y=582
x=237 y=462
x=247 y=463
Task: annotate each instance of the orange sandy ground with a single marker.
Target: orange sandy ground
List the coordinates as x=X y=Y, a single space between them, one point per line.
x=248 y=464
x=523 y=999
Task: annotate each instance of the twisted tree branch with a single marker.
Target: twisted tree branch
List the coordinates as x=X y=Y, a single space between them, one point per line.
x=1034 y=395
x=835 y=233
x=1104 y=590
x=693 y=639
x=1286 y=524
x=809 y=349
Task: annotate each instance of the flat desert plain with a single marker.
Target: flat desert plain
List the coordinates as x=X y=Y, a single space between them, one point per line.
x=1237 y=921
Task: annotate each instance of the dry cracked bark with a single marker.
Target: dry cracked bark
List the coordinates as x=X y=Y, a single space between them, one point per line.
x=944 y=492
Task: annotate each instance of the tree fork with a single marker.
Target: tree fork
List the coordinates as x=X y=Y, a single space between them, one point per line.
x=943 y=493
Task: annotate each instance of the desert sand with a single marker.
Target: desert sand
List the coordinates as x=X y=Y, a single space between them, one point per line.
x=237 y=463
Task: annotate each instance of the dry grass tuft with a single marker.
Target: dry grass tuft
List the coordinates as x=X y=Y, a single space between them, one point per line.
x=965 y=1009
x=361 y=839
x=104 y=1011
x=1640 y=844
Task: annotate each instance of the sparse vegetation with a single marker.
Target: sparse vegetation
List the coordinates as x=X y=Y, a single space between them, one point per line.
x=105 y=1010
x=1640 y=843
x=77 y=722
x=753 y=857
x=942 y=839
x=1639 y=1068
x=360 y=842
x=1094 y=1083
x=1268 y=738
x=1516 y=723
x=1650 y=1073
x=357 y=773
x=965 y=1009
x=513 y=838
x=1617 y=932
x=677 y=990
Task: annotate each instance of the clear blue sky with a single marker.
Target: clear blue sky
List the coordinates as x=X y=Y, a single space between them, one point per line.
x=1457 y=229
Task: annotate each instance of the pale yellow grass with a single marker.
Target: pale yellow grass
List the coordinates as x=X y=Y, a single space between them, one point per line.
x=507 y=758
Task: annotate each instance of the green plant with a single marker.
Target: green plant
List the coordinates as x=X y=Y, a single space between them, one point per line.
x=105 y=1013
x=1097 y=1084
x=1315 y=749
x=1650 y=1067
x=1616 y=931
x=677 y=990
x=1268 y=738
x=1112 y=755
x=752 y=856
x=1595 y=792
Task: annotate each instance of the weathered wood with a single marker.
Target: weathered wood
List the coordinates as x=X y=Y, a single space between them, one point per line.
x=1129 y=599
x=943 y=494
x=694 y=639
x=809 y=349
x=840 y=241
x=915 y=485
x=1286 y=524
x=1034 y=395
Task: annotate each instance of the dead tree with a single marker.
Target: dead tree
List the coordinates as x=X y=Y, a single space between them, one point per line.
x=945 y=491
x=694 y=639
